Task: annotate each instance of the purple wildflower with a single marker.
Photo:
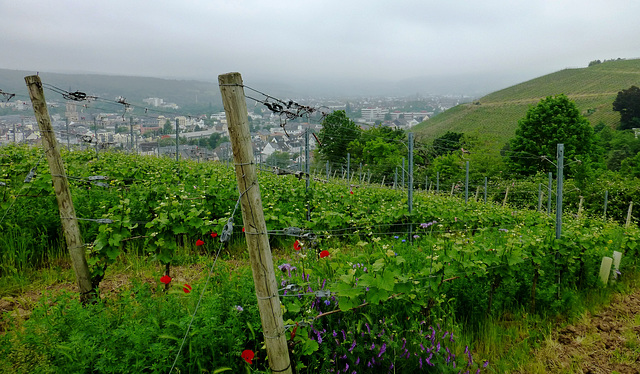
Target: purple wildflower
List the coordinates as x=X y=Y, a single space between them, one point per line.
x=486 y=363
x=420 y=362
x=358 y=360
x=286 y=267
x=382 y=349
x=368 y=329
x=353 y=345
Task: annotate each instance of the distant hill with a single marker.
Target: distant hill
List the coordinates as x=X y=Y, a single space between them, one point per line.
x=134 y=89
x=494 y=117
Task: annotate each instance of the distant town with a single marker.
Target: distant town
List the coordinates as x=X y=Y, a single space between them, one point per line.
x=79 y=125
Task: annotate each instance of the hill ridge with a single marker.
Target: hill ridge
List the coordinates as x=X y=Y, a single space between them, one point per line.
x=494 y=117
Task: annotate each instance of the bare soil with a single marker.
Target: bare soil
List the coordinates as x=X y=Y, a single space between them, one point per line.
x=606 y=342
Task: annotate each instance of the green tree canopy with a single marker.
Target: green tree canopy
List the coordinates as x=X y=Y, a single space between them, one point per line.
x=336 y=134
x=555 y=120
x=380 y=148
x=628 y=104
x=279 y=159
x=447 y=143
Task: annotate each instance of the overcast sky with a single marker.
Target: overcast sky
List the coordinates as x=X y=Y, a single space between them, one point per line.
x=308 y=42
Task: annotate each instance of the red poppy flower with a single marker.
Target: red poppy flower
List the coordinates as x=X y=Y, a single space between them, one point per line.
x=248 y=355
x=243 y=229
x=351 y=192
x=165 y=279
x=199 y=242
x=214 y=234
x=324 y=254
x=186 y=288
x=297 y=245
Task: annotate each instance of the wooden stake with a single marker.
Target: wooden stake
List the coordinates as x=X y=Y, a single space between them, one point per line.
x=70 y=227
x=629 y=215
x=506 y=194
x=580 y=206
x=235 y=106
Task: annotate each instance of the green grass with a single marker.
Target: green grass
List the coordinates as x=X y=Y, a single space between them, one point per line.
x=495 y=116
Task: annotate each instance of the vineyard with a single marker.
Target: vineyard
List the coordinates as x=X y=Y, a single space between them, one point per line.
x=366 y=286
x=494 y=117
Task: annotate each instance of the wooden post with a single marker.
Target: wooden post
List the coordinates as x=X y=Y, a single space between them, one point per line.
x=235 y=106
x=580 y=206
x=629 y=215
x=68 y=218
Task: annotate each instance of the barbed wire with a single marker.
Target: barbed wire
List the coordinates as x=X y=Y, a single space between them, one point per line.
x=6 y=95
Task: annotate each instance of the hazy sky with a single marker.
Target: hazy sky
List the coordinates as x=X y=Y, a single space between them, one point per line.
x=307 y=41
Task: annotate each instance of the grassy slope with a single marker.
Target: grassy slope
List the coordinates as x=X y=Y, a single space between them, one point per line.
x=496 y=116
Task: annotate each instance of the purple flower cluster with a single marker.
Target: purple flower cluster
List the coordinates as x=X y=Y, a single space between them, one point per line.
x=428 y=224
x=378 y=349
x=287 y=267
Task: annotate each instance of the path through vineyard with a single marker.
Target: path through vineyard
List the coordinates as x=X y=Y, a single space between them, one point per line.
x=606 y=342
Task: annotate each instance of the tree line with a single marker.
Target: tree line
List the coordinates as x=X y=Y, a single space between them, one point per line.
x=589 y=150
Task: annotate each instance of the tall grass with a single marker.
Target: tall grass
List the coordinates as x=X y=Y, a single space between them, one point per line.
x=21 y=251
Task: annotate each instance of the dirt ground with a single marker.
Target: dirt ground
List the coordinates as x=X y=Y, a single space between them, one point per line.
x=606 y=342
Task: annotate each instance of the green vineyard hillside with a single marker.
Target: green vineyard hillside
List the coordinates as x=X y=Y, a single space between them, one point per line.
x=494 y=117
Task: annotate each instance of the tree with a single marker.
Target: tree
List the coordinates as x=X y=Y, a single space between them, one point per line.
x=168 y=128
x=447 y=143
x=380 y=148
x=122 y=129
x=555 y=120
x=279 y=159
x=628 y=104
x=336 y=134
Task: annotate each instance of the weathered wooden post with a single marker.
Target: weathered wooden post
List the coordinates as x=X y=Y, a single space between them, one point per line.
x=629 y=215
x=235 y=106
x=70 y=226
x=580 y=206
